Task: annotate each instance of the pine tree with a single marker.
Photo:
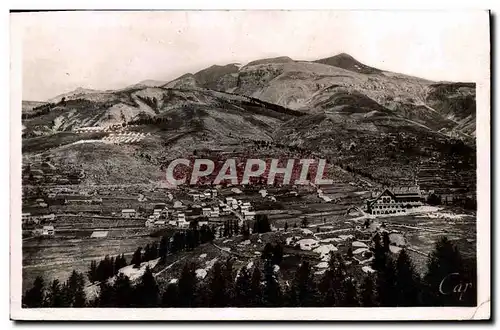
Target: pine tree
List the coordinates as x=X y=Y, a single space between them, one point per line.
x=386 y=285
x=379 y=254
x=386 y=241
x=147 y=291
x=445 y=270
x=331 y=283
x=147 y=253
x=256 y=288
x=35 y=297
x=74 y=290
x=277 y=254
x=243 y=293
x=55 y=295
x=187 y=286
x=123 y=291
x=286 y=226
x=106 y=295
x=137 y=258
x=367 y=298
x=170 y=297
x=302 y=292
x=163 y=249
x=272 y=295
x=267 y=253
x=92 y=273
x=120 y=262
x=408 y=286
x=350 y=290
x=218 y=287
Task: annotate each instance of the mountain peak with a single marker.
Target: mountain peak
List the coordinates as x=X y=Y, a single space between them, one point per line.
x=279 y=59
x=347 y=62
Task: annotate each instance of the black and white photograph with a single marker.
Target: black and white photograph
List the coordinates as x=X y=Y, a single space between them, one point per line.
x=198 y=161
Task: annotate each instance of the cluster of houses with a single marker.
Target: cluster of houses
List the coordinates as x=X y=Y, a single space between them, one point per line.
x=244 y=208
x=207 y=194
x=28 y=218
x=45 y=231
x=93 y=129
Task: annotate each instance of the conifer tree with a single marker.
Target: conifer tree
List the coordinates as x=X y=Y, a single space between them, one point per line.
x=74 y=290
x=147 y=291
x=386 y=241
x=35 y=297
x=368 y=294
x=302 y=292
x=218 y=287
x=379 y=254
x=272 y=296
x=256 y=288
x=187 y=286
x=331 y=283
x=386 y=285
x=243 y=289
x=106 y=295
x=92 y=273
x=350 y=290
x=407 y=284
x=55 y=295
x=445 y=270
x=137 y=258
x=170 y=297
x=123 y=291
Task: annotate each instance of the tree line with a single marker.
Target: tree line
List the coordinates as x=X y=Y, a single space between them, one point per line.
x=394 y=283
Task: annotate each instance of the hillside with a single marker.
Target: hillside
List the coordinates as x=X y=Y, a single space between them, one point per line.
x=378 y=124
x=27 y=106
x=305 y=86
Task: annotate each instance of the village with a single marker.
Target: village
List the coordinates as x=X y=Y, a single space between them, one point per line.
x=110 y=220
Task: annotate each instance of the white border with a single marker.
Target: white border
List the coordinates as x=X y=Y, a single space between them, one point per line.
x=435 y=313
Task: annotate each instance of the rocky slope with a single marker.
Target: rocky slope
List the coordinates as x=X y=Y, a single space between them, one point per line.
x=307 y=86
x=378 y=124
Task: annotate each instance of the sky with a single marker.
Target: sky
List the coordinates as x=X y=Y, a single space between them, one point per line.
x=62 y=51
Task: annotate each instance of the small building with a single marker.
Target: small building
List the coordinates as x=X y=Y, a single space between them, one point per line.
x=248 y=215
x=178 y=205
x=160 y=223
x=206 y=211
x=48 y=231
x=214 y=213
x=129 y=213
x=225 y=210
x=202 y=223
x=25 y=217
x=99 y=234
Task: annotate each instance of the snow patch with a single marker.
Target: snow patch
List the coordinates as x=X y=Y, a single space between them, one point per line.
x=394 y=249
x=324 y=251
x=201 y=273
x=360 y=250
x=359 y=244
x=322 y=265
x=367 y=269
x=135 y=273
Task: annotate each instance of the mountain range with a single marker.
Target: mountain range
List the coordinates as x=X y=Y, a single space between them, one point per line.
x=357 y=115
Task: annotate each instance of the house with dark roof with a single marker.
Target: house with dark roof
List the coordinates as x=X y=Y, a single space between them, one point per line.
x=395 y=200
